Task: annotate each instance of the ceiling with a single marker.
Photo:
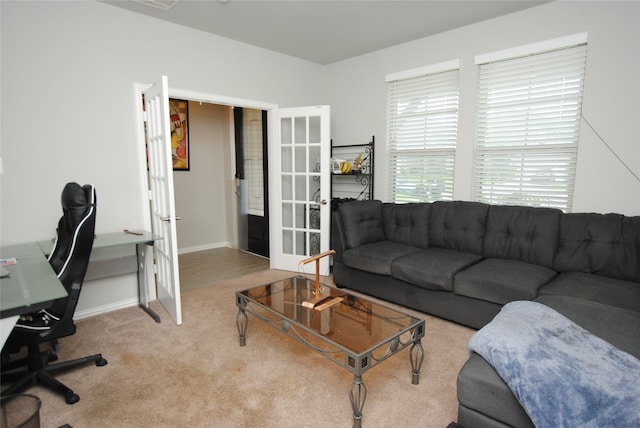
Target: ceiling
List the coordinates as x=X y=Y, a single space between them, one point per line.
x=325 y=31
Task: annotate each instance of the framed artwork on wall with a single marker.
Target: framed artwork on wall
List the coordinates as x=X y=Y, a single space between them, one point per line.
x=179 y=121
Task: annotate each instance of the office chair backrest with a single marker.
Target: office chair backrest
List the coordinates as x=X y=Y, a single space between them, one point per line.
x=72 y=248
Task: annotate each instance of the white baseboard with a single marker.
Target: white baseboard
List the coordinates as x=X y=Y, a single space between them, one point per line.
x=105 y=308
x=211 y=246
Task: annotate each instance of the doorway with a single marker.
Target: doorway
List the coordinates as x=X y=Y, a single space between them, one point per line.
x=229 y=201
x=251 y=154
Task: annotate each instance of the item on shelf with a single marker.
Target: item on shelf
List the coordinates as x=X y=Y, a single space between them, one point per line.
x=357 y=162
x=345 y=167
x=336 y=166
x=352 y=171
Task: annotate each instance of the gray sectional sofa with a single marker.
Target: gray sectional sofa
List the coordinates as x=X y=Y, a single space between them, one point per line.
x=463 y=261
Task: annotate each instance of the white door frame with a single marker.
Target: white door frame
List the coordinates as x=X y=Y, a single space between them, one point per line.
x=197 y=97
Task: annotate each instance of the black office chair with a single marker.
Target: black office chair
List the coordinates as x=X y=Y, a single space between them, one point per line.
x=69 y=259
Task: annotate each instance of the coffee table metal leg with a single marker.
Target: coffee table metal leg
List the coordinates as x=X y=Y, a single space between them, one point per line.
x=416 y=355
x=241 y=323
x=357 y=395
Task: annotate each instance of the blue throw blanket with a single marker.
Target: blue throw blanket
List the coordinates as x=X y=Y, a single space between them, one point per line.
x=562 y=375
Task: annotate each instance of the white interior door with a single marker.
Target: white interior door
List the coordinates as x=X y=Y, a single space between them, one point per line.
x=300 y=186
x=163 y=215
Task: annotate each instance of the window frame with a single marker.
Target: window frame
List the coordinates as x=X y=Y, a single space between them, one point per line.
x=527 y=135
x=429 y=99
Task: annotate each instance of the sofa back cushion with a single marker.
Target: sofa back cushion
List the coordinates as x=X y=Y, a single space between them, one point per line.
x=407 y=223
x=601 y=244
x=520 y=233
x=362 y=222
x=458 y=225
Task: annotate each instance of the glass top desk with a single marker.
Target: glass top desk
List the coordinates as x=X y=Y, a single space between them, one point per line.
x=32 y=284
x=113 y=255
x=352 y=331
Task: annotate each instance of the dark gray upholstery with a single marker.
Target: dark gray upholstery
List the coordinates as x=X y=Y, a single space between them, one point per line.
x=522 y=233
x=491 y=254
x=481 y=389
x=407 y=224
x=458 y=225
x=610 y=291
x=377 y=257
x=502 y=281
x=362 y=222
x=602 y=244
x=463 y=260
x=433 y=268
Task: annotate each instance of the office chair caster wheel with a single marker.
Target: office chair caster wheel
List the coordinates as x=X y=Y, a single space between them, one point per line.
x=101 y=362
x=71 y=398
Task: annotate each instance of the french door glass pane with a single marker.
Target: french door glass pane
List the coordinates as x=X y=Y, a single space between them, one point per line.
x=300 y=243
x=287 y=159
x=301 y=130
x=301 y=159
x=314 y=130
x=287 y=214
x=287 y=241
x=287 y=188
x=300 y=172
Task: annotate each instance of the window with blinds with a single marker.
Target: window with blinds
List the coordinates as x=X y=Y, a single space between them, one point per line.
x=422 y=129
x=253 y=160
x=527 y=129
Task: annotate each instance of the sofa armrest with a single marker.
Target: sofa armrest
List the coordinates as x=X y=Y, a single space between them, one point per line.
x=338 y=240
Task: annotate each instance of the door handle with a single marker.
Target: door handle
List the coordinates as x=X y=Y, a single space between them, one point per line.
x=167 y=218
x=323 y=202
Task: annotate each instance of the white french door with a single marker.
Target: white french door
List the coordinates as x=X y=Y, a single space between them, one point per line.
x=300 y=186
x=162 y=205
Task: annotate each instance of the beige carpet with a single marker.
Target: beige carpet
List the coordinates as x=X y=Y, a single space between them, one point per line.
x=197 y=375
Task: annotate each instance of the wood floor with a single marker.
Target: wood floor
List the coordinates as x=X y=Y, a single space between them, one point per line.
x=205 y=268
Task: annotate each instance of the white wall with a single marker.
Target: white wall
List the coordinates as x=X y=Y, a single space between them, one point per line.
x=611 y=103
x=68 y=71
x=67 y=108
x=200 y=195
x=68 y=74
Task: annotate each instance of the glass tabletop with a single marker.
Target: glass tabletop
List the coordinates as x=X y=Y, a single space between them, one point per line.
x=105 y=240
x=31 y=285
x=351 y=322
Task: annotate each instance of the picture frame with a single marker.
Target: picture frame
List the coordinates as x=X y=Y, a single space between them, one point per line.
x=179 y=124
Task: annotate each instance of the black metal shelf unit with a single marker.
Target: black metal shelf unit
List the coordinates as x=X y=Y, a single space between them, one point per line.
x=356 y=183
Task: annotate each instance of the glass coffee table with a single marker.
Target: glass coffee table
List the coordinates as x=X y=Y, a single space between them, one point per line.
x=352 y=331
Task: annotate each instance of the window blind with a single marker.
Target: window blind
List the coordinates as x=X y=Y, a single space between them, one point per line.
x=253 y=160
x=422 y=129
x=527 y=129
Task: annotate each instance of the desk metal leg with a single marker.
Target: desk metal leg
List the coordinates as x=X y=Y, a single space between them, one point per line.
x=143 y=295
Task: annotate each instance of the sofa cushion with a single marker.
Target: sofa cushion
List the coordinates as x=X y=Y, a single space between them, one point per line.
x=458 y=225
x=407 y=223
x=609 y=291
x=376 y=257
x=620 y=327
x=433 y=268
x=502 y=281
x=522 y=233
x=602 y=244
x=481 y=388
x=362 y=222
